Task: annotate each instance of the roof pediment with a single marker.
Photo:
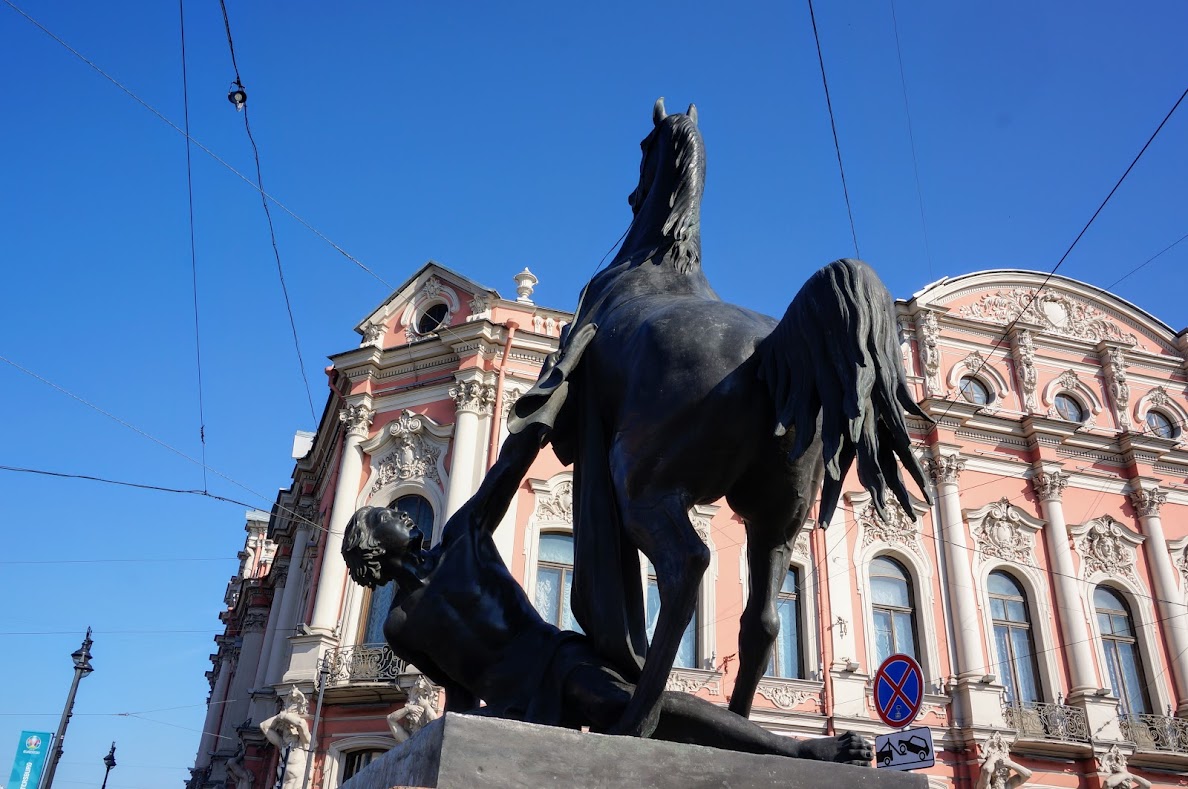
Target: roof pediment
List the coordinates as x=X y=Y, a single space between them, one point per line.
x=1063 y=307
x=395 y=319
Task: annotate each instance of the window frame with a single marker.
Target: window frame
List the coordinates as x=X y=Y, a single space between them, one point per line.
x=795 y=598
x=1133 y=641
x=1013 y=625
x=911 y=610
x=986 y=390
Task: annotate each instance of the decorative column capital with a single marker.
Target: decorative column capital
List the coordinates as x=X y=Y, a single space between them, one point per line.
x=255 y=620
x=1148 y=501
x=1049 y=485
x=473 y=397
x=357 y=418
x=945 y=468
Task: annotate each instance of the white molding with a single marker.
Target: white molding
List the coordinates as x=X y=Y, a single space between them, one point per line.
x=922 y=574
x=1144 y=624
x=335 y=762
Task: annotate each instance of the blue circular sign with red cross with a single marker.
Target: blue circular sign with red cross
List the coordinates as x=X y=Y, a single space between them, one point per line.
x=898 y=690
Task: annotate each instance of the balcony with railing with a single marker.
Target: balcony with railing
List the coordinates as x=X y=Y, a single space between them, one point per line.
x=363 y=663
x=1156 y=732
x=1038 y=720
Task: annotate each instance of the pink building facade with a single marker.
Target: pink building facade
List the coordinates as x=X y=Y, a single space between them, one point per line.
x=1043 y=590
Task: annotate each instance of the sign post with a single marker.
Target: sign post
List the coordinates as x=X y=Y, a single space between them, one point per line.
x=30 y=760
x=898 y=695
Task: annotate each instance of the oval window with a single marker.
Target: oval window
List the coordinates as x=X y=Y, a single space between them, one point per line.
x=432 y=318
x=974 y=391
x=1160 y=425
x=1069 y=409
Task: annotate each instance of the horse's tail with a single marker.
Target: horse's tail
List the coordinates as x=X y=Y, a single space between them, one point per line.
x=833 y=365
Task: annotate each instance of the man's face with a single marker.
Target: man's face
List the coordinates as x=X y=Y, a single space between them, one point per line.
x=394 y=532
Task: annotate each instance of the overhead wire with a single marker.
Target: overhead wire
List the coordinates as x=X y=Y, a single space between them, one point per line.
x=911 y=139
x=833 y=127
x=998 y=342
x=1148 y=261
x=280 y=272
x=181 y=13
x=161 y=116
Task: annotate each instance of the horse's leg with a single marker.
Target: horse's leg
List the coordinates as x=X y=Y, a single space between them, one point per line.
x=760 y=624
x=660 y=527
x=774 y=507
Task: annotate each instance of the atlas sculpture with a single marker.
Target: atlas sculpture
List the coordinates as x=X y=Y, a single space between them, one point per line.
x=663 y=397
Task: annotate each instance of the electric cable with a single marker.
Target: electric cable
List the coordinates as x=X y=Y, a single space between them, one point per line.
x=912 y=139
x=280 y=272
x=833 y=127
x=198 y=144
x=181 y=12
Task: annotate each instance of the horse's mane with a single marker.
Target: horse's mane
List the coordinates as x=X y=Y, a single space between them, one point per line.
x=683 y=225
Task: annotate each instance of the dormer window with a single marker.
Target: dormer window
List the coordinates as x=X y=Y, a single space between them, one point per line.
x=1159 y=424
x=432 y=317
x=974 y=391
x=1069 y=408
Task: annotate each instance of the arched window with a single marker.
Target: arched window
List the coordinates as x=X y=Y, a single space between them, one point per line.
x=554 y=580
x=1121 y=651
x=421 y=511
x=892 y=608
x=357 y=760
x=432 y=317
x=1013 y=645
x=686 y=656
x=1160 y=424
x=786 y=657
x=1069 y=408
x=974 y=391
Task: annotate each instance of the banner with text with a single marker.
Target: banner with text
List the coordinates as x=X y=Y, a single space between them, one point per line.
x=30 y=759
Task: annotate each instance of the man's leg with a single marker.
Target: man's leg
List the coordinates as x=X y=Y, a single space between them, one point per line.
x=688 y=719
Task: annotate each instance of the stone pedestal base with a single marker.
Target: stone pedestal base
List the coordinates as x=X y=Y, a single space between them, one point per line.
x=464 y=752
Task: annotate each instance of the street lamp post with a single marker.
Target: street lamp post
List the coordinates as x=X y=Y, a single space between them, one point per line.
x=108 y=762
x=82 y=667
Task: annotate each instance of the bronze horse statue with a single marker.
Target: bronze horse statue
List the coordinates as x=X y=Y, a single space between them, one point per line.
x=663 y=397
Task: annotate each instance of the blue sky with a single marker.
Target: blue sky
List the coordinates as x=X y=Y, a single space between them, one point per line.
x=488 y=137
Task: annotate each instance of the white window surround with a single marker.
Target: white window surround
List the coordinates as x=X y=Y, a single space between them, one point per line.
x=924 y=600
x=1021 y=567
x=397 y=467
x=552 y=512
x=431 y=291
x=976 y=366
x=1041 y=617
x=1069 y=382
x=337 y=751
x=1158 y=399
x=1155 y=671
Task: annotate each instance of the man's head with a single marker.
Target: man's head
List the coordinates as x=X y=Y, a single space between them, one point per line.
x=375 y=542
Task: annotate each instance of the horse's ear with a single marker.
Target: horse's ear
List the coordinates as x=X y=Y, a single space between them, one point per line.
x=692 y=113
x=658 y=113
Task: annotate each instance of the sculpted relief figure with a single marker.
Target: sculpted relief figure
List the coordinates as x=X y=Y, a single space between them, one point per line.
x=999 y=771
x=289 y=732
x=1113 y=762
x=654 y=375
x=419 y=711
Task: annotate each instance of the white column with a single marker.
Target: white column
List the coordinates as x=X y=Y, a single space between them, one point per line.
x=289 y=593
x=1049 y=485
x=269 y=637
x=206 y=744
x=971 y=658
x=1147 y=502
x=333 y=575
x=472 y=398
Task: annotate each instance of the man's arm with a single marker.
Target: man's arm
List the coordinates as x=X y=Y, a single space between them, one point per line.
x=487 y=506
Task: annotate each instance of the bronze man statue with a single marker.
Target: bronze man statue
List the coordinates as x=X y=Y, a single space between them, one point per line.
x=463 y=620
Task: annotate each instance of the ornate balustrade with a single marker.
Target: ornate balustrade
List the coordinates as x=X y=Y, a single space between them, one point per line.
x=363 y=663
x=1156 y=732
x=1047 y=721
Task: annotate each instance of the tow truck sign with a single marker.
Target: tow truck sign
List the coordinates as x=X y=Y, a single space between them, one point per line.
x=905 y=750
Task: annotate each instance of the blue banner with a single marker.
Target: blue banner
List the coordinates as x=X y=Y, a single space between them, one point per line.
x=30 y=759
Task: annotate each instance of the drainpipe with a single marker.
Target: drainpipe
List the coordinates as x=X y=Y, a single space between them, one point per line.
x=496 y=428
x=825 y=629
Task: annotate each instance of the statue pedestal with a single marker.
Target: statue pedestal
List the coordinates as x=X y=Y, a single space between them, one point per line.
x=465 y=751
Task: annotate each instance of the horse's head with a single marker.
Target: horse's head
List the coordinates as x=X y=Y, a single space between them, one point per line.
x=667 y=199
